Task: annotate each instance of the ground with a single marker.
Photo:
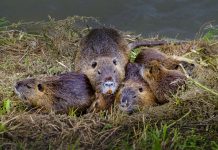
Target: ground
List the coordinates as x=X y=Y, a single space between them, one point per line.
x=189 y=121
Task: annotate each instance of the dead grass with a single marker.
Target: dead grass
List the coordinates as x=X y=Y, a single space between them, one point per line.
x=189 y=121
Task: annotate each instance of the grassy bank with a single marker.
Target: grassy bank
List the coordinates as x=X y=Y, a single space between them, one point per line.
x=189 y=121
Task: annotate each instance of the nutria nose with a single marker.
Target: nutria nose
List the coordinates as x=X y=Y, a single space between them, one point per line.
x=17 y=85
x=124 y=102
x=108 y=79
x=109 y=84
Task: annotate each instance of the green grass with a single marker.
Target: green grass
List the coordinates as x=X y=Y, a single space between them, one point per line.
x=4 y=22
x=134 y=53
x=211 y=33
x=6 y=106
x=157 y=138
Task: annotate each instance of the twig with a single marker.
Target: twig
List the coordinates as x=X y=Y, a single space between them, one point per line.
x=26 y=52
x=197 y=83
x=63 y=65
x=179 y=119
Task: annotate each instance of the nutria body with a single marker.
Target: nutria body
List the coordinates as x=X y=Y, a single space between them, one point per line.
x=103 y=56
x=57 y=93
x=134 y=92
x=169 y=62
x=163 y=82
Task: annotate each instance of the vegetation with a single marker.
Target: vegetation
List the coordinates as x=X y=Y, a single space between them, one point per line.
x=3 y=22
x=188 y=121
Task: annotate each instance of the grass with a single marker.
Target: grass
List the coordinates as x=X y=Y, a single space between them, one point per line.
x=4 y=22
x=211 y=33
x=189 y=121
x=6 y=106
x=133 y=54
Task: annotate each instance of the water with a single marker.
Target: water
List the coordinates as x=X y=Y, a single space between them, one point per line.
x=180 y=19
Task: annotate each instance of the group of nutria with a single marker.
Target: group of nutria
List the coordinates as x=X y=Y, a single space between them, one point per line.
x=104 y=76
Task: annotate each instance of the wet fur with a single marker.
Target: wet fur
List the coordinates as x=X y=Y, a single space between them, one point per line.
x=61 y=93
x=103 y=45
x=169 y=62
x=162 y=81
x=133 y=81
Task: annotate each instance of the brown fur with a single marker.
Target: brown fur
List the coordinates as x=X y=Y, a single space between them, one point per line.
x=169 y=62
x=162 y=81
x=102 y=46
x=58 y=93
x=102 y=102
x=134 y=91
x=103 y=56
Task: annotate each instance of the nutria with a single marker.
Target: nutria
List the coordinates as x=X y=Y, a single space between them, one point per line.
x=134 y=92
x=59 y=93
x=163 y=82
x=169 y=62
x=103 y=56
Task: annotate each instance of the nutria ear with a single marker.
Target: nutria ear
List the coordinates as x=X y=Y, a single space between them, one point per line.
x=40 y=87
x=154 y=69
x=176 y=67
x=140 y=89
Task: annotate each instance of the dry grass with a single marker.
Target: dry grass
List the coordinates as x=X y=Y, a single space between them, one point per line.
x=189 y=121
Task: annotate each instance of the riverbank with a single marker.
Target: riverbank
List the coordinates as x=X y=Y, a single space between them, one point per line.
x=190 y=121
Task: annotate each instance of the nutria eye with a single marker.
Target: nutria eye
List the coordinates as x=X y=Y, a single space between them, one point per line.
x=29 y=87
x=115 y=62
x=40 y=88
x=140 y=89
x=134 y=96
x=177 y=66
x=94 y=64
x=99 y=72
x=114 y=71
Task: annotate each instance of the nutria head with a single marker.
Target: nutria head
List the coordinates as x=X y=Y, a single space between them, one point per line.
x=33 y=92
x=28 y=89
x=134 y=92
x=105 y=74
x=133 y=96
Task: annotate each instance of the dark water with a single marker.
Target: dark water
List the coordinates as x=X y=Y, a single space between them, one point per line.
x=180 y=19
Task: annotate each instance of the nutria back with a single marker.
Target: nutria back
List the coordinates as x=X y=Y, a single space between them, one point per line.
x=59 y=93
x=103 y=42
x=148 y=55
x=169 y=62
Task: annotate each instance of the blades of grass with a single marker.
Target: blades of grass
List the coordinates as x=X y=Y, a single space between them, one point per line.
x=197 y=83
